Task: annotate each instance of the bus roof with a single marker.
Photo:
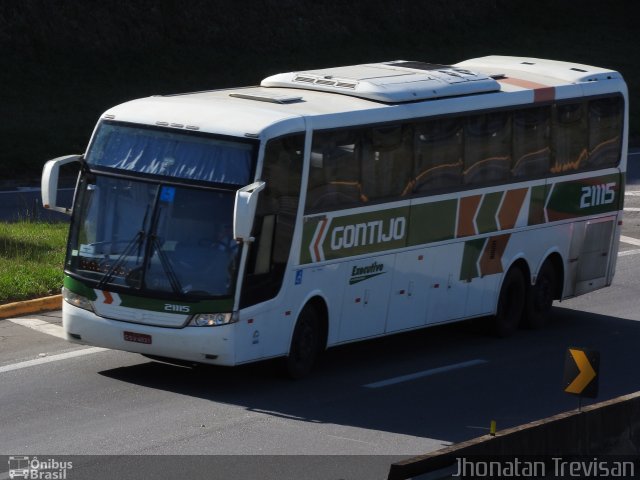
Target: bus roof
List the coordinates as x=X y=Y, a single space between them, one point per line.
x=282 y=102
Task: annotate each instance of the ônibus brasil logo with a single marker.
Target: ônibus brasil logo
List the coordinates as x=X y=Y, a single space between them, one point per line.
x=34 y=468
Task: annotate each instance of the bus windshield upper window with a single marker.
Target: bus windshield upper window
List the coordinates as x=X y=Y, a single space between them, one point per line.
x=531 y=142
x=605 y=132
x=438 y=154
x=161 y=152
x=334 y=176
x=569 y=137
x=487 y=148
x=388 y=162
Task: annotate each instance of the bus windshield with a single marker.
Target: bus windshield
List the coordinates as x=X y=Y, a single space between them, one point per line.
x=153 y=238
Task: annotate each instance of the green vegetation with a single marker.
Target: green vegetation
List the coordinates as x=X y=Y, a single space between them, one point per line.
x=66 y=62
x=31 y=259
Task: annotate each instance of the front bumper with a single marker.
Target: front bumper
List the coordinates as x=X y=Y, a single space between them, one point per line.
x=212 y=345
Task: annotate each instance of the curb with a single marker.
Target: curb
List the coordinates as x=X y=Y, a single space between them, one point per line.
x=26 y=307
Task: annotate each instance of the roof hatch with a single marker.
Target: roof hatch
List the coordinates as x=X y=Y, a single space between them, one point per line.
x=390 y=82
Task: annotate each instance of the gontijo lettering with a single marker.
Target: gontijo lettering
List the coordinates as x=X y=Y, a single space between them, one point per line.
x=377 y=231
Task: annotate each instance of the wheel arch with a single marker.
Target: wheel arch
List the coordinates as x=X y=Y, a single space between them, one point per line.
x=317 y=301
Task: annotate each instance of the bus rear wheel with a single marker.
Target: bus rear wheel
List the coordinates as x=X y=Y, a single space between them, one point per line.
x=305 y=344
x=510 y=304
x=540 y=297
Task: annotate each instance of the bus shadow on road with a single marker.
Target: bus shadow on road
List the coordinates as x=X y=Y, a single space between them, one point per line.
x=514 y=381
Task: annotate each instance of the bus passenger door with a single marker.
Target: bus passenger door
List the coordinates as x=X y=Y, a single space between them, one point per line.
x=364 y=306
x=408 y=302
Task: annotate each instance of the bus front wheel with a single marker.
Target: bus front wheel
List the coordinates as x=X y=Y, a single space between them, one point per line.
x=305 y=344
x=510 y=303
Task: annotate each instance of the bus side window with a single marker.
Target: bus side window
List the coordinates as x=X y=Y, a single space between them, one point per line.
x=387 y=163
x=334 y=174
x=275 y=219
x=438 y=147
x=569 y=137
x=531 y=142
x=605 y=132
x=487 y=148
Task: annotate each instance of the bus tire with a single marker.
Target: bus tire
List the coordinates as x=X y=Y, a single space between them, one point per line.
x=305 y=344
x=540 y=297
x=511 y=303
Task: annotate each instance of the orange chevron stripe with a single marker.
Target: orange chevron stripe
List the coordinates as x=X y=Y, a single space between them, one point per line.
x=316 y=245
x=468 y=209
x=511 y=205
x=108 y=299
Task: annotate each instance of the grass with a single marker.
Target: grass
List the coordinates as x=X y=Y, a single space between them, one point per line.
x=31 y=259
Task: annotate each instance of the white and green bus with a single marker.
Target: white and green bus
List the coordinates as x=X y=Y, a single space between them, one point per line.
x=329 y=206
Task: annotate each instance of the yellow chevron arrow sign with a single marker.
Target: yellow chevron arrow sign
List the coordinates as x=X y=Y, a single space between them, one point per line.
x=581 y=372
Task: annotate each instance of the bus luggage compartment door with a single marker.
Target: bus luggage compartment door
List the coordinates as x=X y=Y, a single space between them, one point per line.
x=589 y=256
x=366 y=293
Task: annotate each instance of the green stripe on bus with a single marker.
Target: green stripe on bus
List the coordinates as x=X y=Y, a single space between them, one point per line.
x=153 y=304
x=308 y=231
x=78 y=287
x=582 y=197
x=160 y=305
x=470 y=256
x=486 y=217
x=536 y=204
x=432 y=222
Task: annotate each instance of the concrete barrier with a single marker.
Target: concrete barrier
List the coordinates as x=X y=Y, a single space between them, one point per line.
x=609 y=427
x=26 y=307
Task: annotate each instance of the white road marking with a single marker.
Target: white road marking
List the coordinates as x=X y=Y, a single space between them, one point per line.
x=52 y=358
x=632 y=193
x=50 y=329
x=40 y=326
x=631 y=209
x=629 y=252
x=630 y=240
x=425 y=373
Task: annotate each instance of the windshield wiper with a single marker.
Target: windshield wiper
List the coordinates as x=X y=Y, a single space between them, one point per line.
x=167 y=267
x=135 y=241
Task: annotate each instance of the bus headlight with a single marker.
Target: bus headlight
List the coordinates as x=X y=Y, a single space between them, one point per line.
x=76 y=300
x=212 y=319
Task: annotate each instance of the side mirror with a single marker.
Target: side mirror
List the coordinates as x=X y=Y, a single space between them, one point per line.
x=49 y=182
x=245 y=210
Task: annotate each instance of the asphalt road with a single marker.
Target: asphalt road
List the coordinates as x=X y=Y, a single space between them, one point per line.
x=366 y=405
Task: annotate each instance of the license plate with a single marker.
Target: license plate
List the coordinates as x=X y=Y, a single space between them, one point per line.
x=137 y=337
